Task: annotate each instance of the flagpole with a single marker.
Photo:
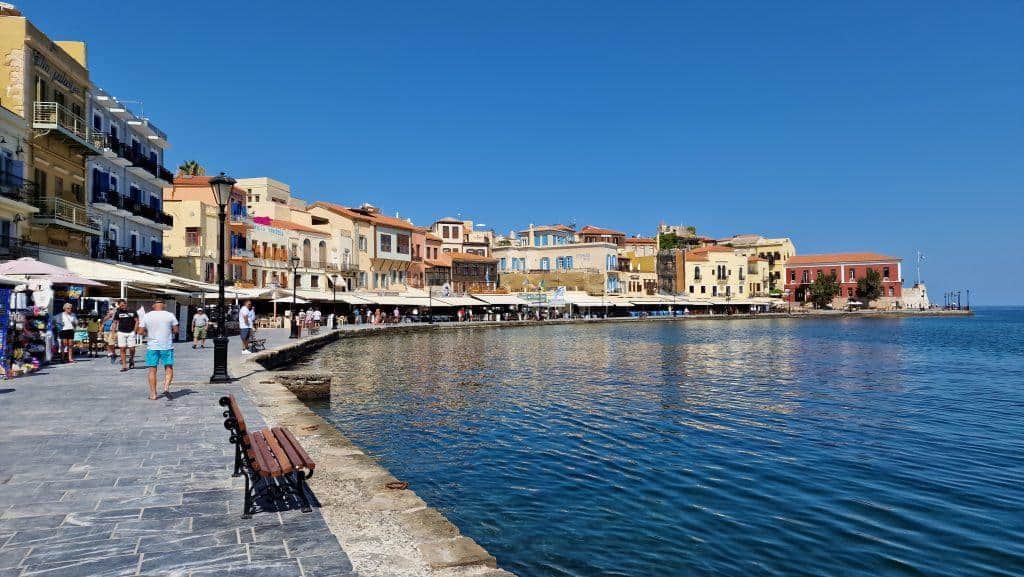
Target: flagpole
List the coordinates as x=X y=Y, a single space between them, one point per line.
x=919 y=267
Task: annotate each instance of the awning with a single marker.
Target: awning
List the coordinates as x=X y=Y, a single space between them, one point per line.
x=458 y=302
x=396 y=300
x=351 y=299
x=500 y=299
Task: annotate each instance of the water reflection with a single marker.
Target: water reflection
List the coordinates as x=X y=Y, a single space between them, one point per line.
x=764 y=447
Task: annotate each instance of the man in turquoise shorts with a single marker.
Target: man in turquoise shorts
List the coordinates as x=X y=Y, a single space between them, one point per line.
x=160 y=327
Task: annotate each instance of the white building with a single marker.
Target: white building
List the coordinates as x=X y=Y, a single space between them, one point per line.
x=124 y=184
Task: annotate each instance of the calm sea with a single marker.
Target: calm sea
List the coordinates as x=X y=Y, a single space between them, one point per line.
x=857 y=447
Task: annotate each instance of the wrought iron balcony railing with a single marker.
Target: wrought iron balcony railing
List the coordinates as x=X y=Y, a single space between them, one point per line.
x=53 y=207
x=16 y=188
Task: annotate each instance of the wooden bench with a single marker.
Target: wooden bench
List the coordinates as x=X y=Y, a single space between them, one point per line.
x=272 y=461
x=257 y=345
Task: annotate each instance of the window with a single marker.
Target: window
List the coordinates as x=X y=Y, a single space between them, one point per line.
x=362 y=244
x=853 y=274
x=97 y=123
x=568 y=263
x=691 y=289
x=192 y=236
x=849 y=292
x=545 y=263
x=403 y=244
x=805 y=277
x=696 y=273
x=58 y=185
x=314 y=281
x=741 y=289
x=703 y=289
x=210 y=272
x=792 y=275
x=885 y=274
x=384 y=242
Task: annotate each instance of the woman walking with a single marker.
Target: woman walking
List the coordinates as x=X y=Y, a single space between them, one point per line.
x=68 y=323
x=109 y=334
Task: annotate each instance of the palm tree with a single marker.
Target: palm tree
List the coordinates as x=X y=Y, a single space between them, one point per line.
x=191 y=168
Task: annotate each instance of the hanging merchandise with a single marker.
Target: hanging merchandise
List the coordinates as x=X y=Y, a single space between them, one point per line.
x=5 y=329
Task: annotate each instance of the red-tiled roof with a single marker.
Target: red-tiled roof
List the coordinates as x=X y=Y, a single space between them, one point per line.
x=638 y=240
x=601 y=231
x=443 y=259
x=433 y=237
x=840 y=258
x=288 y=225
x=340 y=210
x=465 y=256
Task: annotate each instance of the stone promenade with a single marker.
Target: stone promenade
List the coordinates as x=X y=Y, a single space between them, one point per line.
x=97 y=480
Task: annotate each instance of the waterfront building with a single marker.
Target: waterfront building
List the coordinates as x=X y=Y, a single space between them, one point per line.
x=473 y=273
x=458 y=235
x=192 y=242
x=46 y=83
x=594 y=234
x=390 y=252
x=283 y=225
x=848 y=268
x=640 y=246
x=354 y=232
x=16 y=208
x=777 y=251
x=758 y=275
x=686 y=237
x=125 y=185
x=710 y=272
x=417 y=268
x=550 y=256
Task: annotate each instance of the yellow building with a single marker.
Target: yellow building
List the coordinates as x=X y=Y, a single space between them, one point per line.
x=46 y=83
x=777 y=251
x=712 y=272
x=557 y=260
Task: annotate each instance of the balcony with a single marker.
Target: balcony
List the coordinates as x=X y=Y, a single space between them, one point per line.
x=345 y=268
x=106 y=200
x=64 y=213
x=15 y=188
x=242 y=253
x=12 y=248
x=151 y=214
x=111 y=251
x=145 y=167
x=58 y=119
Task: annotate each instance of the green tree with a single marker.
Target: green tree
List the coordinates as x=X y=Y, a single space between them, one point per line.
x=824 y=289
x=869 y=286
x=191 y=168
x=668 y=241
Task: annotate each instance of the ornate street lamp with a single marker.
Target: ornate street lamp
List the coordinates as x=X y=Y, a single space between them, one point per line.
x=295 y=282
x=221 y=186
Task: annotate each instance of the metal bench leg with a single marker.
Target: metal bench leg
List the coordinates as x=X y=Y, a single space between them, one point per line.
x=238 y=460
x=248 y=506
x=301 y=483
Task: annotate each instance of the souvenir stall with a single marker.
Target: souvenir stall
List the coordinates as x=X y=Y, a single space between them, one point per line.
x=28 y=338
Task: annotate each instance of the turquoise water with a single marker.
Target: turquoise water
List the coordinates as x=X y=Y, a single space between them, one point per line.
x=853 y=447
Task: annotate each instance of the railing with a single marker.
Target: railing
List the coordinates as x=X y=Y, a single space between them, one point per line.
x=345 y=267
x=111 y=251
x=241 y=253
x=50 y=114
x=146 y=163
x=16 y=188
x=60 y=209
x=12 y=247
x=148 y=212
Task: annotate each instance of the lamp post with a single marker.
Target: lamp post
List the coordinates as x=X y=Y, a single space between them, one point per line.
x=294 y=261
x=221 y=186
x=334 y=299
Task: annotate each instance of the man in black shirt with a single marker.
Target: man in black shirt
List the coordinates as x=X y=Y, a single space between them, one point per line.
x=127 y=322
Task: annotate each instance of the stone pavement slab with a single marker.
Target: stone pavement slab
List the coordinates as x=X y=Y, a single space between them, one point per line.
x=95 y=479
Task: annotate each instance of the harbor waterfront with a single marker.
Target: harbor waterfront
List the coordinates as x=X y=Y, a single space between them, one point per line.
x=869 y=445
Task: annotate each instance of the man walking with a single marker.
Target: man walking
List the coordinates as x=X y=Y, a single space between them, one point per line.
x=127 y=324
x=160 y=326
x=199 y=323
x=245 y=321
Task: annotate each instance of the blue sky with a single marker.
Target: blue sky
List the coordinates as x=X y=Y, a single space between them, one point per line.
x=847 y=126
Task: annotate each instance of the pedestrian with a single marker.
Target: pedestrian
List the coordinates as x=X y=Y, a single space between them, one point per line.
x=357 y=317
x=109 y=334
x=317 y=316
x=68 y=323
x=159 y=326
x=469 y=313
x=127 y=323
x=397 y=316
x=245 y=318
x=460 y=314
x=199 y=324
x=93 y=328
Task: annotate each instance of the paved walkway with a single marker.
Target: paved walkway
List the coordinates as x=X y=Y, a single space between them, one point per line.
x=97 y=480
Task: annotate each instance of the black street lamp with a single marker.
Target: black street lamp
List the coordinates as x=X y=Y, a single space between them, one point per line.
x=295 y=283
x=221 y=186
x=334 y=298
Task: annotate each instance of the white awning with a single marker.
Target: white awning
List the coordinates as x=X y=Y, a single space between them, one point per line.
x=351 y=299
x=500 y=299
x=396 y=300
x=458 y=302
